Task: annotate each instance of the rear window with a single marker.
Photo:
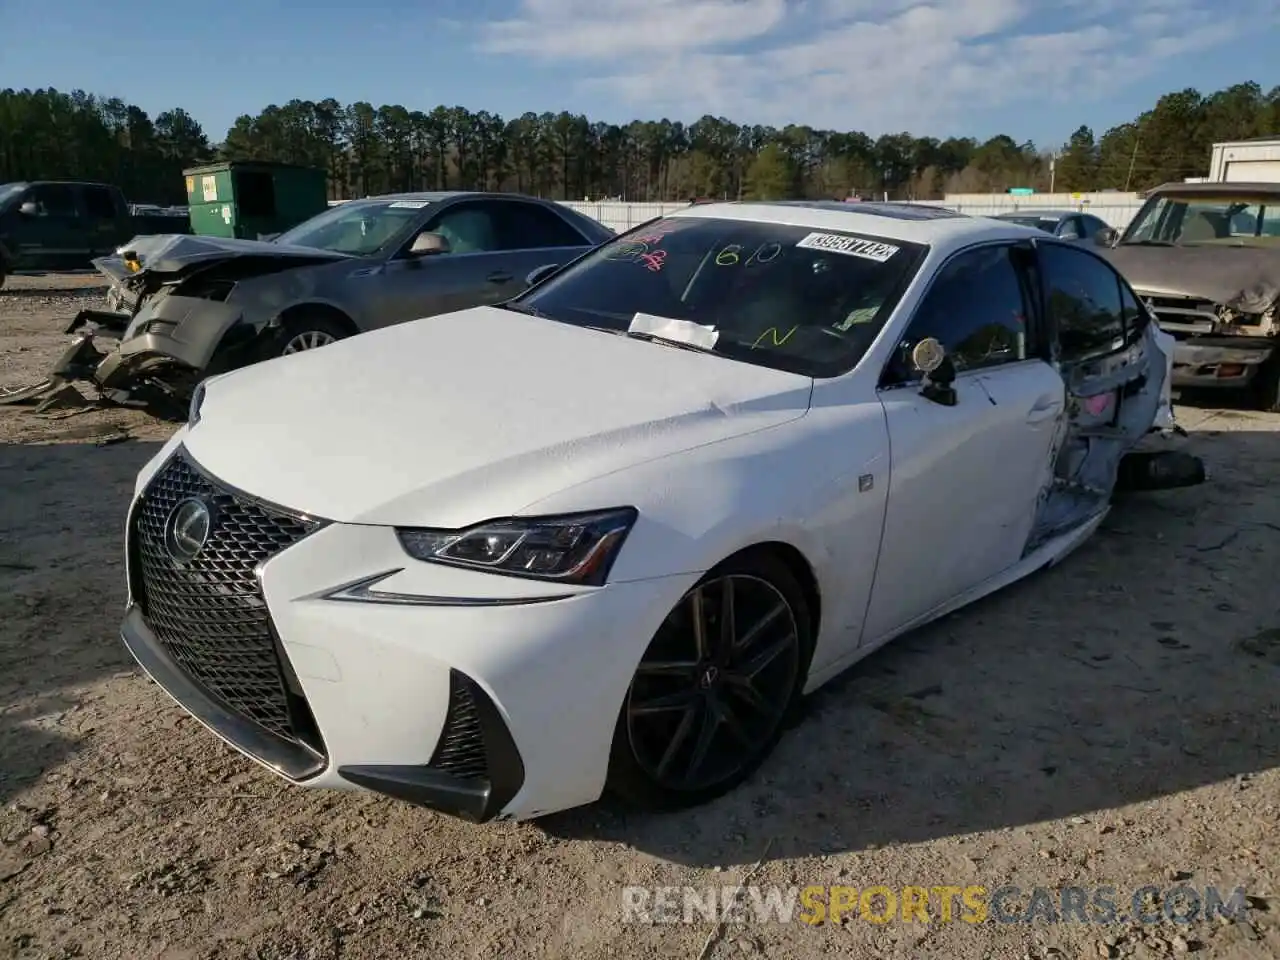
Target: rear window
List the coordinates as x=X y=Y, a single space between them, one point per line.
x=792 y=298
x=1038 y=223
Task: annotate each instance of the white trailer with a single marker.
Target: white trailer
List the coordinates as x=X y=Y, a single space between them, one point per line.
x=1246 y=161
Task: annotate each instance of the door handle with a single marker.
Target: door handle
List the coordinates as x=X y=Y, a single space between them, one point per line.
x=1045 y=409
x=499 y=277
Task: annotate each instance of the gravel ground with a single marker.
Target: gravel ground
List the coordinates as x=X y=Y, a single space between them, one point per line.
x=1112 y=722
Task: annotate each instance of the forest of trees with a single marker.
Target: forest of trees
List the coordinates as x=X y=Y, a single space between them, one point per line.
x=368 y=150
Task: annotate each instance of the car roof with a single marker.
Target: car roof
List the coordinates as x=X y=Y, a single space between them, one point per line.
x=1042 y=214
x=439 y=196
x=1226 y=188
x=912 y=223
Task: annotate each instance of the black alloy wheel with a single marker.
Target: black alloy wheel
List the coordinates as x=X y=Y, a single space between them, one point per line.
x=711 y=695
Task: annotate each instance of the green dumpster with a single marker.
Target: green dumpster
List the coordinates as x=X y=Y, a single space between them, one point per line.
x=253 y=199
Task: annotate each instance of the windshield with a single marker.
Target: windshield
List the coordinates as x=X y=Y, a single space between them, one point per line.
x=1203 y=219
x=1047 y=224
x=9 y=190
x=787 y=297
x=356 y=227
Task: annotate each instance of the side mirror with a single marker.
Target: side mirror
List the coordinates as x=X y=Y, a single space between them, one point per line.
x=930 y=358
x=427 y=244
x=1106 y=237
x=29 y=209
x=538 y=274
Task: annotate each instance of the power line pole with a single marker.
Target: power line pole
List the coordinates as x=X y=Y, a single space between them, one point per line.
x=1137 y=139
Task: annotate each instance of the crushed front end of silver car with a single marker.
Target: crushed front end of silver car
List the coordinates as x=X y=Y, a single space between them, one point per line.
x=170 y=310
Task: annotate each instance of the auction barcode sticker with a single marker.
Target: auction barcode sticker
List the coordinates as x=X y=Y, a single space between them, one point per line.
x=849 y=246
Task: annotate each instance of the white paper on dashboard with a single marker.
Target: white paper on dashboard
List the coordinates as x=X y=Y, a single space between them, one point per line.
x=678 y=331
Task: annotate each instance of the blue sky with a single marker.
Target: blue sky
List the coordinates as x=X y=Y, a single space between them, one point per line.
x=1035 y=69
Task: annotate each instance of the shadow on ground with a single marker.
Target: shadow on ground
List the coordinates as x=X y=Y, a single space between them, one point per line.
x=1146 y=664
x=62 y=591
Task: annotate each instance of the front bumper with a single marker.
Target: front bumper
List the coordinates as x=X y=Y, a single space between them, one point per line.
x=475 y=695
x=161 y=355
x=474 y=772
x=1219 y=361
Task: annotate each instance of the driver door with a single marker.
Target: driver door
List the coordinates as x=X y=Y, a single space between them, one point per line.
x=470 y=274
x=56 y=238
x=965 y=479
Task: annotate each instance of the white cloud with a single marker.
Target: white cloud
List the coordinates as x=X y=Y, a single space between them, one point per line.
x=874 y=65
x=606 y=29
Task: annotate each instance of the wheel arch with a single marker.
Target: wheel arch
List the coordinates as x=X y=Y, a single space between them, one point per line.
x=799 y=567
x=316 y=308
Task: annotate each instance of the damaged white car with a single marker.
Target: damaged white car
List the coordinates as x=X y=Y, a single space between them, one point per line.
x=604 y=536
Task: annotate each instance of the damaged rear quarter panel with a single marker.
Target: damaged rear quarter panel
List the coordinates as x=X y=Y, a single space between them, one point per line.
x=1113 y=403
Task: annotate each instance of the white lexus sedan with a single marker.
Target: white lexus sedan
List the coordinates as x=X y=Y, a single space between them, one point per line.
x=605 y=535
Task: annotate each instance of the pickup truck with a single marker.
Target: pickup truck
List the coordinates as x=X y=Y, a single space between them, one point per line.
x=63 y=225
x=1206 y=259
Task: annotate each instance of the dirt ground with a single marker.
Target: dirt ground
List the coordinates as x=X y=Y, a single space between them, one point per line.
x=1113 y=722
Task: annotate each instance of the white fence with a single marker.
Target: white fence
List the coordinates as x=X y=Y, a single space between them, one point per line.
x=619 y=215
x=1117 y=209
x=1116 y=215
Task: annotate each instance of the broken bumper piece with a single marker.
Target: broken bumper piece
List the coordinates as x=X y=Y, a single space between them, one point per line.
x=110 y=320
x=130 y=374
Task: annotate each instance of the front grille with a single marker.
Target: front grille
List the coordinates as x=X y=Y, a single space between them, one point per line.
x=461 y=750
x=209 y=614
x=1184 y=311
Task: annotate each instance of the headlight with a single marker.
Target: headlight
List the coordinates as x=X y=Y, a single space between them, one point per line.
x=197 y=401
x=575 y=548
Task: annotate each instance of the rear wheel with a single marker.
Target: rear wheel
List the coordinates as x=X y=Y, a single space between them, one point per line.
x=4 y=274
x=711 y=695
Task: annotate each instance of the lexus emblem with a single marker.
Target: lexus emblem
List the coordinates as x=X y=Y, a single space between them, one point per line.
x=187 y=530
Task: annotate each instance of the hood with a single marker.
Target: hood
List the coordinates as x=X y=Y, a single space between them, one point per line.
x=1246 y=279
x=464 y=417
x=174 y=253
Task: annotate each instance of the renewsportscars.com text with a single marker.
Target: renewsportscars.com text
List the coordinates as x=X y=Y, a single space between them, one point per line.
x=817 y=904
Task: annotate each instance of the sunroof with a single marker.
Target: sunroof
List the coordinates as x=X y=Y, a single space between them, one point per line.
x=898 y=211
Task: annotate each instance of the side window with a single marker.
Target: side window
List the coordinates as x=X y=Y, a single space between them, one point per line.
x=977 y=309
x=99 y=203
x=527 y=226
x=1271 y=220
x=55 y=200
x=1092 y=225
x=1070 y=229
x=469 y=227
x=1084 y=302
x=1244 y=220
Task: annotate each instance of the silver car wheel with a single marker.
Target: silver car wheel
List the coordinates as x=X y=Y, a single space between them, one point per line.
x=307 y=340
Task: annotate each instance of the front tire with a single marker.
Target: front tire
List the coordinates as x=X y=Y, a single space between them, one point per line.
x=711 y=696
x=306 y=332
